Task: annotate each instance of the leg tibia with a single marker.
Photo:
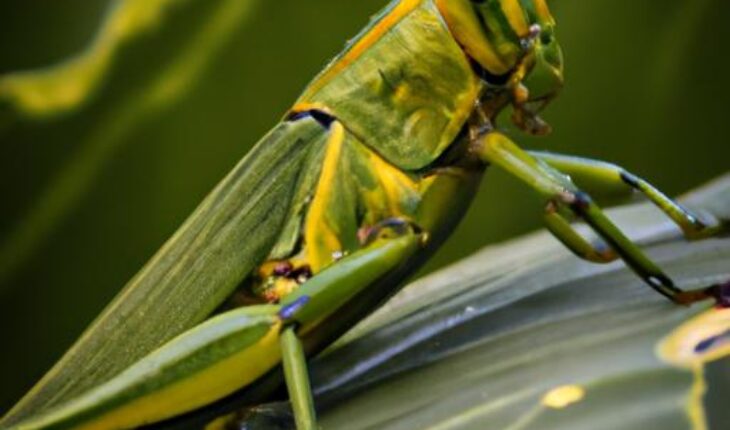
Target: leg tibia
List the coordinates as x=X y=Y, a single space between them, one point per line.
x=297 y=380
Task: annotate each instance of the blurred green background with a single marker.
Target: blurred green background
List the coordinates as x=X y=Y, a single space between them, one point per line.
x=91 y=189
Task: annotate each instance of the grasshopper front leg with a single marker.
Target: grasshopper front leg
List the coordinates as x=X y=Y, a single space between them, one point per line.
x=613 y=179
x=564 y=196
x=601 y=179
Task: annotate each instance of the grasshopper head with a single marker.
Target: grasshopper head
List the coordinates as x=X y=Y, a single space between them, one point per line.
x=514 y=44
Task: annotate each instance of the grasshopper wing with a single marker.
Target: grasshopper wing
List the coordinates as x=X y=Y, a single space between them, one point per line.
x=231 y=232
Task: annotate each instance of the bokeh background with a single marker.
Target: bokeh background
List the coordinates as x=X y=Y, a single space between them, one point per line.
x=140 y=117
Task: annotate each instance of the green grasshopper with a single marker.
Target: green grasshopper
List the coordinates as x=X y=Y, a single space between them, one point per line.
x=363 y=179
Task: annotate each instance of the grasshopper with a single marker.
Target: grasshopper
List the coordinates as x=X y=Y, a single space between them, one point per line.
x=362 y=180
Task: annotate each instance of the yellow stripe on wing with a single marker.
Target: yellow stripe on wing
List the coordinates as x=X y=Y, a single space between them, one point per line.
x=321 y=240
x=208 y=385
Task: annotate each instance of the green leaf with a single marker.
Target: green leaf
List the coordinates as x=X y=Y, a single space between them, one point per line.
x=523 y=335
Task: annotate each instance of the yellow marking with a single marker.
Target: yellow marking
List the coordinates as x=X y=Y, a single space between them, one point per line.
x=466 y=29
x=695 y=406
x=282 y=288
x=395 y=192
x=561 y=397
x=402 y=93
x=543 y=12
x=515 y=16
x=366 y=41
x=684 y=347
x=320 y=240
x=680 y=347
x=211 y=384
x=394 y=183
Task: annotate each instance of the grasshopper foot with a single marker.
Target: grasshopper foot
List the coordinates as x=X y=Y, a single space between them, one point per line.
x=721 y=294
